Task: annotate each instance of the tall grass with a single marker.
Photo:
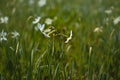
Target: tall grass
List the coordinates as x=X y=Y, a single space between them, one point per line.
x=92 y=54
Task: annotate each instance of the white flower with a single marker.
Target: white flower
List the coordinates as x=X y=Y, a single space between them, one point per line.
x=36 y=20
x=46 y=35
x=116 y=20
x=31 y=2
x=41 y=27
x=44 y=31
x=48 y=21
x=41 y=3
x=15 y=34
x=4 y=19
x=69 y=38
x=47 y=32
x=98 y=29
x=109 y=11
x=3 y=36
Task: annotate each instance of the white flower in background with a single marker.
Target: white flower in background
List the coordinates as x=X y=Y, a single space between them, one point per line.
x=109 y=11
x=69 y=38
x=48 y=21
x=36 y=20
x=15 y=34
x=116 y=20
x=3 y=36
x=98 y=29
x=31 y=2
x=41 y=3
x=4 y=19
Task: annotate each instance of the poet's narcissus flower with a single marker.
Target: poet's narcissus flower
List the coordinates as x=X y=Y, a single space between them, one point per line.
x=109 y=11
x=41 y=3
x=98 y=29
x=3 y=36
x=48 y=21
x=4 y=19
x=41 y=27
x=15 y=34
x=116 y=20
x=36 y=20
x=70 y=37
x=45 y=32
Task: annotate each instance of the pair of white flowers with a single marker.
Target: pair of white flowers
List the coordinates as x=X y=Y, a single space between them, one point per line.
x=117 y=19
x=50 y=30
x=48 y=21
x=3 y=35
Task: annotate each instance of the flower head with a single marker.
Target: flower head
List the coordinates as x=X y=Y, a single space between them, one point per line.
x=45 y=32
x=41 y=3
x=31 y=2
x=3 y=36
x=4 y=19
x=98 y=29
x=41 y=27
x=36 y=20
x=49 y=31
x=69 y=38
x=109 y=11
x=48 y=21
x=15 y=34
x=116 y=20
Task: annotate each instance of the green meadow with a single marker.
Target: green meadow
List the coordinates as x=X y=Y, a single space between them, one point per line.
x=59 y=39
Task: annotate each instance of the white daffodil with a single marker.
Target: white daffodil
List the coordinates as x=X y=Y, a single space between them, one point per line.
x=31 y=2
x=45 y=32
x=98 y=29
x=69 y=38
x=48 y=21
x=4 y=19
x=109 y=11
x=46 y=35
x=36 y=20
x=41 y=27
x=41 y=3
x=116 y=20
x=15 y=34
x=3 y=36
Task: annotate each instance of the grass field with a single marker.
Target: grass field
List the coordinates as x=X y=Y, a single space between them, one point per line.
x=59 y=39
